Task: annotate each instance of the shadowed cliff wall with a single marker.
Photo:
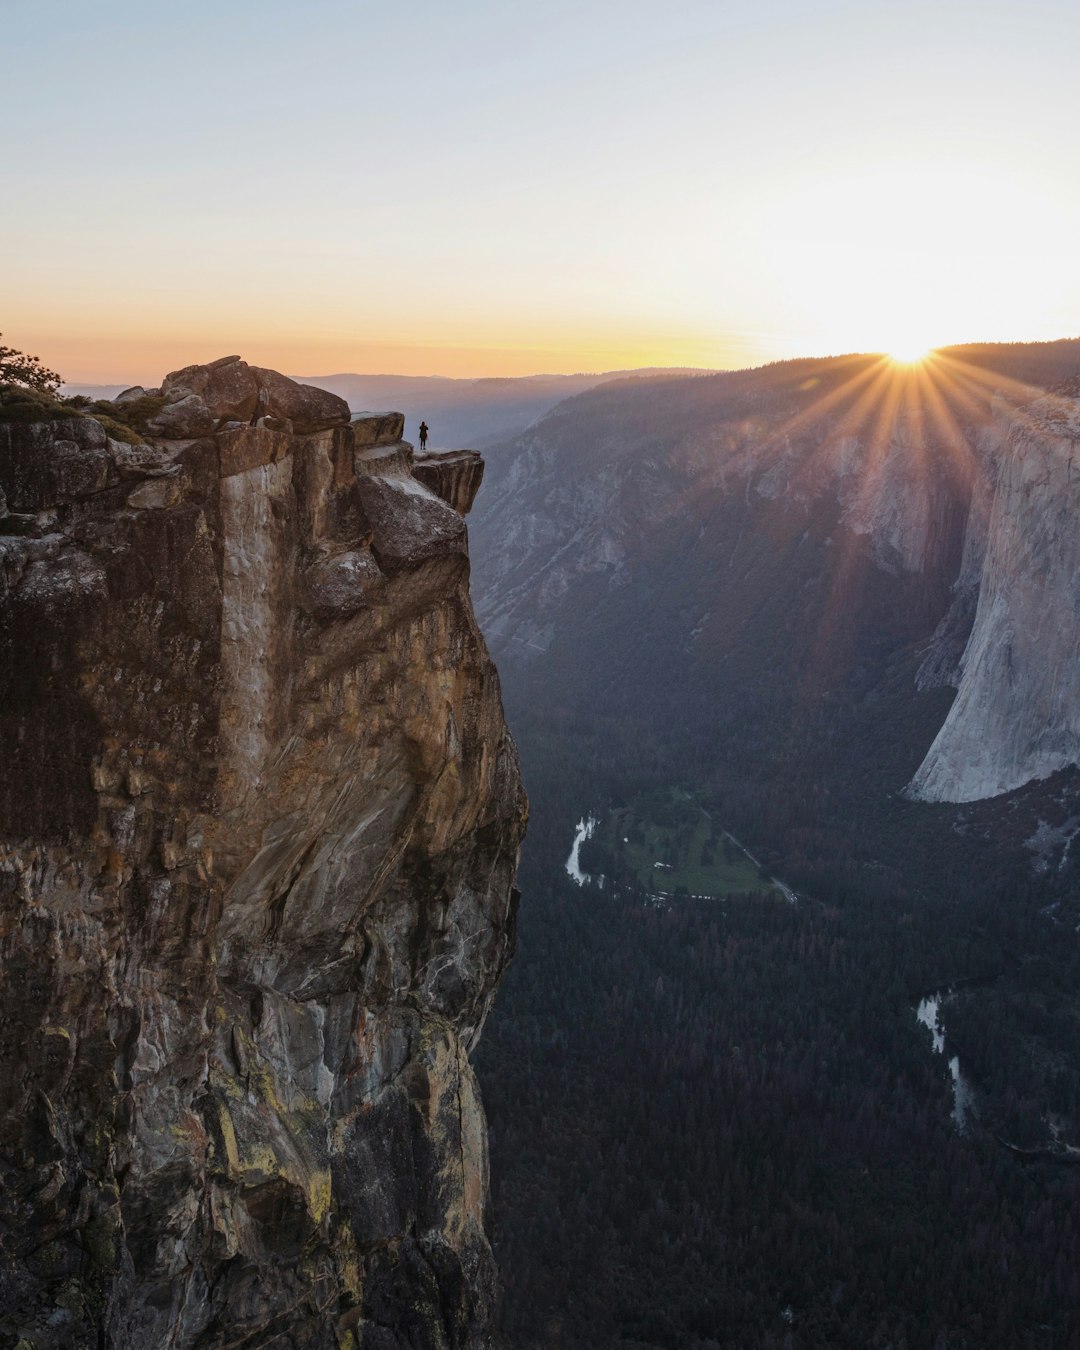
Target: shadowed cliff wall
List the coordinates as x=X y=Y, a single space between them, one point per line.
x=259 y=821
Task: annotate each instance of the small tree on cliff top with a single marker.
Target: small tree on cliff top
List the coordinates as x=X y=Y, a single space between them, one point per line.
x=18 y=368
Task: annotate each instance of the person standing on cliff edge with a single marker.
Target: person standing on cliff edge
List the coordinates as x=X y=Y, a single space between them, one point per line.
x=423 y=435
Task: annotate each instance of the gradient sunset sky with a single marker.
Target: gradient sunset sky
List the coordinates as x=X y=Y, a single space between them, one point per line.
x=493 y=188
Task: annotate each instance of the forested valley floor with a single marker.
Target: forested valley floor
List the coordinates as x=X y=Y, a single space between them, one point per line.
x=717 y=1122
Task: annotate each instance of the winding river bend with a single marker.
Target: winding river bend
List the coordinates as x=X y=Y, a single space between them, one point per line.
x=584 y=830
x=928 y=1013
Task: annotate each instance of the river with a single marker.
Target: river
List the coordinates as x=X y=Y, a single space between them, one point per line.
x=928 y=1013
x=584 y=831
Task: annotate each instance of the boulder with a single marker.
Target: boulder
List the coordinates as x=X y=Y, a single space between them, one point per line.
x=235 y=391
x=228 y=387
x=409 y=524
x=305 y=406
x=184 y=420
x=377 y=428
x=339 y=587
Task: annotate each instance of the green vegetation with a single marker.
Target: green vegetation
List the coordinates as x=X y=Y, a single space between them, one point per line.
x=666 y=842
x=721 y=1126
x=117 y=429
x=28 y=393
x=123 y=421
x=27 y=371
x=134 y=413
x=20 y=404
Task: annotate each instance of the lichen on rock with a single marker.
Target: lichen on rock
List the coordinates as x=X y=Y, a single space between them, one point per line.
x=259 y=822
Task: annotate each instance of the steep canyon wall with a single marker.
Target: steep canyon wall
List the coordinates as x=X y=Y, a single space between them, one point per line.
x=259 y=822
x=1017 y=712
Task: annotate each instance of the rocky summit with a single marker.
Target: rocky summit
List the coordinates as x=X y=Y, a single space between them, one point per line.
x=259 y=823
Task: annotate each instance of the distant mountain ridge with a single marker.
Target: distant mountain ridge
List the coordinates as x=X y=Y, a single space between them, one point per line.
x=762 y=544
x=472 y=412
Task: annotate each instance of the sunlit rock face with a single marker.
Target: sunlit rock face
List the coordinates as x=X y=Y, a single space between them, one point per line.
x=1017 y=710
x=259 y=821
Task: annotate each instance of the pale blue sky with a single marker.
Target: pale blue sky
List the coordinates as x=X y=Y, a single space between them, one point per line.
x=483 y=187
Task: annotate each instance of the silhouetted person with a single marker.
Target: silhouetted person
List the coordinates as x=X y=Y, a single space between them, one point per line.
x=423 y=435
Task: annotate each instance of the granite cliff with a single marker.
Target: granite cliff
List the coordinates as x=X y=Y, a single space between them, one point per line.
x=259 y=822
x=1017 y=712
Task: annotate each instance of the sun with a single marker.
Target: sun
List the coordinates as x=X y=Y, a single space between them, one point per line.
x=907 y=353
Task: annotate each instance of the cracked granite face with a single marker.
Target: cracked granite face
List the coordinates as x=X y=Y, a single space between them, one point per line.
x=259 y=822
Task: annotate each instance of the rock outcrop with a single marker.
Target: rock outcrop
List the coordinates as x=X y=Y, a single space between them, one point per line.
x=1017 y=711
x=234 y=391
x=259 y=821
x=198 y=400
x=455 y=476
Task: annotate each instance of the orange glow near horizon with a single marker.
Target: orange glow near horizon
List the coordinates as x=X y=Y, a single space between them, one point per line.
x=108 y=359
x=111 y=359
x=844 y=262
x=854 y=182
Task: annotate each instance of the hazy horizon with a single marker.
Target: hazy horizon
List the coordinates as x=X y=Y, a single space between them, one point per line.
x=553 y=189
x=72 y=385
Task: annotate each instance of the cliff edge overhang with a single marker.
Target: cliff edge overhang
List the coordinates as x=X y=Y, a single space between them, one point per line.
x=259 y=823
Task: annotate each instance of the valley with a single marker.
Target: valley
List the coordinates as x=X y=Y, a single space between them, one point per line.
x=722 y=585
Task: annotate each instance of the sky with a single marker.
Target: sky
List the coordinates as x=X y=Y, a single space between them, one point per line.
x=481 y=188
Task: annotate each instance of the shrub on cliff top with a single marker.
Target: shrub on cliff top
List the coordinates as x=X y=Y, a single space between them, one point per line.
x=117 y=429
x=134 y=412
x=19 y=369
x=20 y=404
